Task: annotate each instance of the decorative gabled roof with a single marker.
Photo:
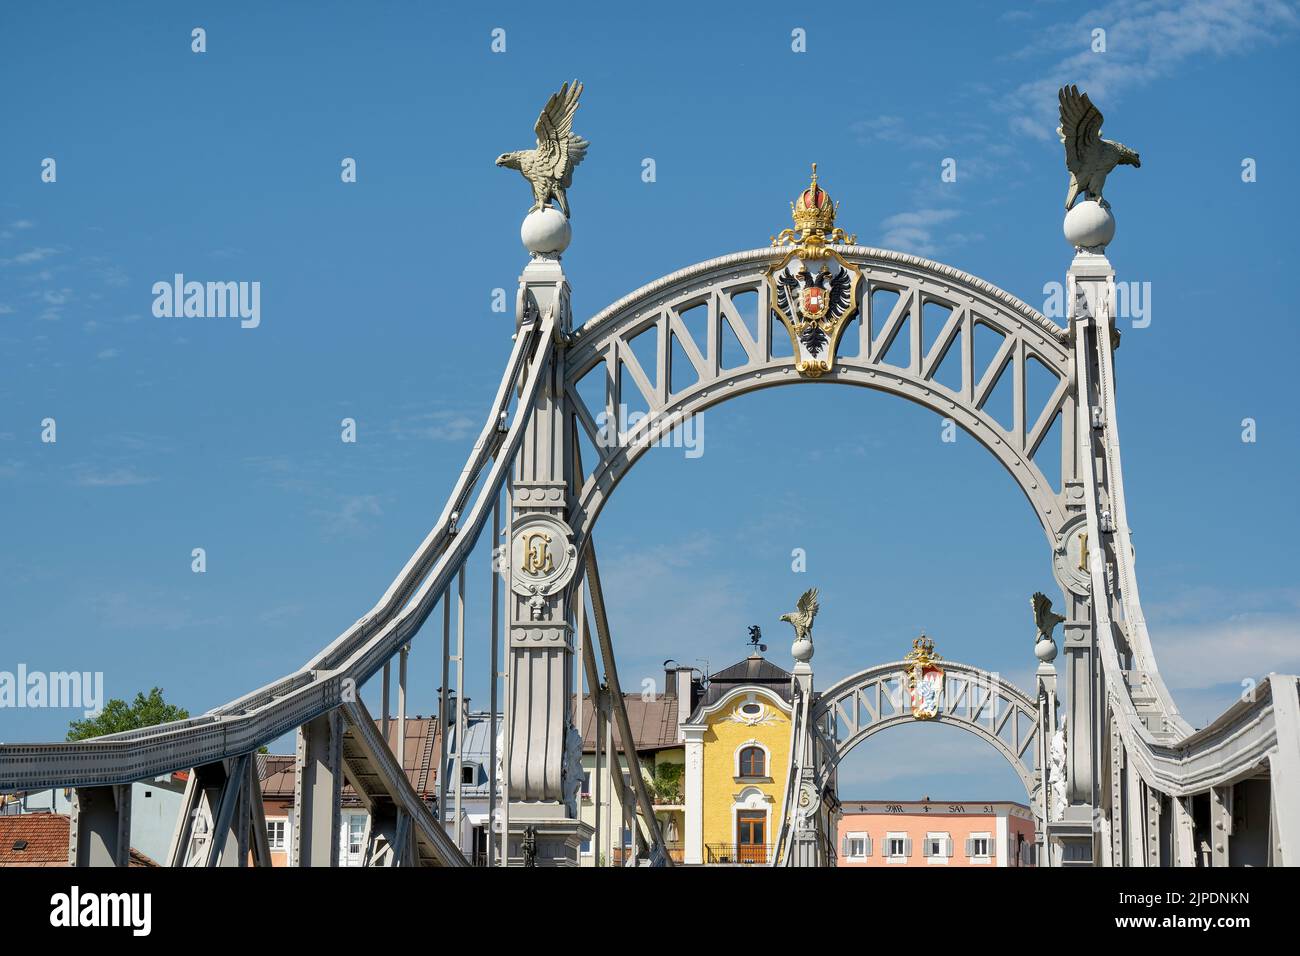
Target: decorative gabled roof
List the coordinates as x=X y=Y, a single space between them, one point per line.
x=755 y=669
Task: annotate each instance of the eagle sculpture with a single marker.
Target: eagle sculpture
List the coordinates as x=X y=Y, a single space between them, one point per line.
x=802 y=618
x=1088 y=157
x=1045 y=619
x=549 y=167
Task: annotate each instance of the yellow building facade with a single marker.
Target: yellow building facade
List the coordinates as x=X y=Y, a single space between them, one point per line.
x=737 y=744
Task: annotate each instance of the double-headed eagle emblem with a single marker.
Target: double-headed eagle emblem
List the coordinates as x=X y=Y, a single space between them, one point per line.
x=814 y=290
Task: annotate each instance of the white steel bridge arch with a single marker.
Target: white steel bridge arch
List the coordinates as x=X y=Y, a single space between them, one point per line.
x=657 y=309
x=979 y=702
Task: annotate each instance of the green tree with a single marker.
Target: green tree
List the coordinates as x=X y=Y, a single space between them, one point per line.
x=117 y=716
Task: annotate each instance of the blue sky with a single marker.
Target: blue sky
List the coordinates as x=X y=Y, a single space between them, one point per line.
x=178 y=433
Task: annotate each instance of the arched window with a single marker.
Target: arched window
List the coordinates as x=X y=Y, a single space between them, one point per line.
x=753 y=762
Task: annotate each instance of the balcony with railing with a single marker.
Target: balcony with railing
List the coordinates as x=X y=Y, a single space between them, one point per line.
x=737 y=854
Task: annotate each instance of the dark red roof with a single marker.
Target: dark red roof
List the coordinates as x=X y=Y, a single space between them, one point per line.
x=43 y=838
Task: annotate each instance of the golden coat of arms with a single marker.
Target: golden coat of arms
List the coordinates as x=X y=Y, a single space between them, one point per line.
x=814 y=290
x=924 y=679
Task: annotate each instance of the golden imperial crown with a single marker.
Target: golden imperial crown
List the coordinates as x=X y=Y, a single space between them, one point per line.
x=814 y=219
x=922 y=651
x=814 y=210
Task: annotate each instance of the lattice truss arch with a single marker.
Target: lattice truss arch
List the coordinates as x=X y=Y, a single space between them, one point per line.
x=975 y=700
x=633 y=353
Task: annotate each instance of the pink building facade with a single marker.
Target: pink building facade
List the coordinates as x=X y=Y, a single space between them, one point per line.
x=935 y=833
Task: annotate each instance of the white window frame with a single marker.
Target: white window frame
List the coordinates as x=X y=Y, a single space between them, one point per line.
x=283 y=845
x=353 y=820
x=887 y=847
x=945 y=848
x=981 y=859
x=862 y=838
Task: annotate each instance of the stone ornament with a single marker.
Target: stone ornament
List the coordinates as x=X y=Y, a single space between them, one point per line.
x=542 y=559
x=1088 y=157
x=549 y=167
x=801 y=619
x=1045 y=621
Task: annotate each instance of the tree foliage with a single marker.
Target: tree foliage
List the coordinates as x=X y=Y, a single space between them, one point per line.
x=145 y=711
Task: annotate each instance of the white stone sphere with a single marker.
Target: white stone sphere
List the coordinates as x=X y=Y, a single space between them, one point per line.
x=1089 y=225
x=802 y=650
x=545 y=232
x=1045 y=651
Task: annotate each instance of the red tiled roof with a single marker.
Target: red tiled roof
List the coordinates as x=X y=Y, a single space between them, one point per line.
x=46 y=837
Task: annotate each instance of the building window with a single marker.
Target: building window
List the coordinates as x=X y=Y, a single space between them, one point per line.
x=896 y=843
x=275 y=834
x=586 y=783
x=356 y=833
x=977 y=847
x=938 y=847
x=752 y=709
x=753 y=762
x=857 y=846
x=468 y=775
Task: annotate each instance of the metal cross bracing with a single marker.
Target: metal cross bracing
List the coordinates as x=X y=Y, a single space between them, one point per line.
x=1137 y=785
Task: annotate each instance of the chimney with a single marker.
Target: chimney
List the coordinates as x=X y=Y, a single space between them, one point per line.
x=670 y=681
x=681 y=680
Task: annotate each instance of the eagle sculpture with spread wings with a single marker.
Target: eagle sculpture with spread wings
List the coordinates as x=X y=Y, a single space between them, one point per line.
x=1045 y=619
x=549 y=167
x=1088 y=157
x=801 y=619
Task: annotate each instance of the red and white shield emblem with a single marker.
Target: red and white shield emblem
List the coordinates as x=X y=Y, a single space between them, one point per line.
x=813 y=301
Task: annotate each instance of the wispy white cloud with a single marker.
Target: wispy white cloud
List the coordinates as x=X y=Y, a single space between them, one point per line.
x=39 y=254
x=915 y=231
x=112 y=478
x=893 y=129
x=348 y=515
x=1145 y=41
x=1241 y=647
x=437 y=425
